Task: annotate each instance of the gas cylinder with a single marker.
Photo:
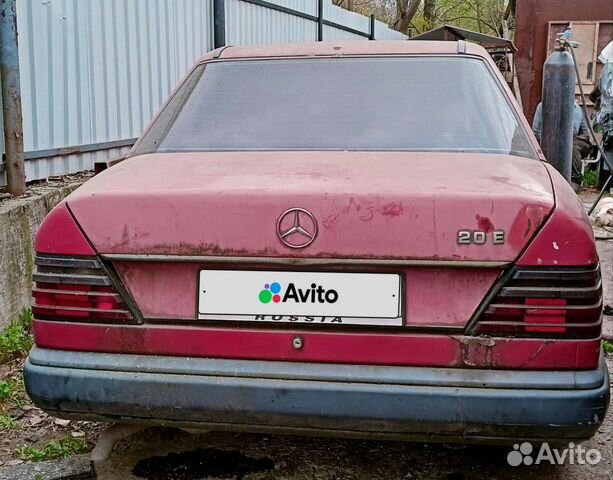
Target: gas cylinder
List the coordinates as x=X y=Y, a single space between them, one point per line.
x=558 y=105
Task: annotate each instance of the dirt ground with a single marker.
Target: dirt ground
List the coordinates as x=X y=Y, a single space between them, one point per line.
x=33 y=427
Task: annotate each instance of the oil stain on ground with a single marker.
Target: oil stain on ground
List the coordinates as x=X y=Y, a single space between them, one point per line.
x=200 y=464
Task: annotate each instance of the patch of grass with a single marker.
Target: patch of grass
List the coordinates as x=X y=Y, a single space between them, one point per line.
x=590 y=178
x=55 y=449
x=607 y=346
x=17 y=340
x=12 y=393
x=7 y=422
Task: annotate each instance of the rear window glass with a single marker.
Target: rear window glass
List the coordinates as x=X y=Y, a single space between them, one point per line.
x=449 y=104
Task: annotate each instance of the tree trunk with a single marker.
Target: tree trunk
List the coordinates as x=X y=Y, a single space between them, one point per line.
x=405 y=11
x=347 y=4
x=429 y=11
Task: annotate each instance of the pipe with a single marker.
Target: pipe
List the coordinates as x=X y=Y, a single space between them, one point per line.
x=11 y=99
x=320 y=21
x=219 y=23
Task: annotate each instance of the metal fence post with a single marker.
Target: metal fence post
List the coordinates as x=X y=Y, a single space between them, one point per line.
x=11 y=99
x=320 y=21
x=372 y=27
x=219 y=23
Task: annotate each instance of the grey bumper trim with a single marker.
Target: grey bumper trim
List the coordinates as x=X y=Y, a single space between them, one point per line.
x=450 y=377
x=307 y=397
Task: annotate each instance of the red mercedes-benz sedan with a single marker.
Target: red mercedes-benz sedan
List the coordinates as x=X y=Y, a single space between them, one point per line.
x=353 y=239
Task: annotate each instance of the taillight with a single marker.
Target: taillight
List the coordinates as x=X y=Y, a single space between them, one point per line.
x=546 y=302
x=76 y=289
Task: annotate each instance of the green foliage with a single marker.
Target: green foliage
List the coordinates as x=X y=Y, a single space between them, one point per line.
x=607 y=347
x=485 y=16
x=8 y=422
x=12 y=393
x=26 y=318
x=16 y=341
x=590 y=178
x=55 y=449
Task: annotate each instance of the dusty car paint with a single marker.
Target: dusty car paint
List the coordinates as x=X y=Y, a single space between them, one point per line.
x=152 y=222
x=228 y=204
x=398 y=348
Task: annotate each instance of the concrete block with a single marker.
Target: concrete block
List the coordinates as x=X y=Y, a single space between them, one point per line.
x=19 y=220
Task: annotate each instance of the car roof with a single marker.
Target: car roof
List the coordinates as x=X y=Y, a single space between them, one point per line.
x=357 y=47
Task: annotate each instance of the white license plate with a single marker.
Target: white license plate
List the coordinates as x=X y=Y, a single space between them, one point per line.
x=300 y=297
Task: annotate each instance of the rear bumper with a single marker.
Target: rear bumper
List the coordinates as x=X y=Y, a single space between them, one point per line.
x=340 y=400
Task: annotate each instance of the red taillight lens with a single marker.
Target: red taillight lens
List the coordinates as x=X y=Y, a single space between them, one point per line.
x=550 y=302
x=535 y=318
x=76 y=289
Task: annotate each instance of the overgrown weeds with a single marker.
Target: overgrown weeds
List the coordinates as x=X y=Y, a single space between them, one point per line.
x=51 y=450
x=590 y=178
x=7 y=422
x=17 y=340
x=12 y=394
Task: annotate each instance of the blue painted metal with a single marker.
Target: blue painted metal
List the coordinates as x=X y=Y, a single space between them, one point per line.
x=558 y=107
x=364 y=401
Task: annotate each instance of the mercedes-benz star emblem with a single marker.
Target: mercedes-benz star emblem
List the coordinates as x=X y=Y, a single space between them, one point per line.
x=297 y=228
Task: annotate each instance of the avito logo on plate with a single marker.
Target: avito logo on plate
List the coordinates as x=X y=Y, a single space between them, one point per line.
x=272 y=292
x=258 y=295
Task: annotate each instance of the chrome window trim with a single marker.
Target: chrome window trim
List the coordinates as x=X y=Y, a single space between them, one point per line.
x=309 y=261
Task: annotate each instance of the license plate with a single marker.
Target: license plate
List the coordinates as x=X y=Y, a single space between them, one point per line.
x=300 y=297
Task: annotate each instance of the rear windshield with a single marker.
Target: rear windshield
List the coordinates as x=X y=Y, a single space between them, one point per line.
x=446 y=104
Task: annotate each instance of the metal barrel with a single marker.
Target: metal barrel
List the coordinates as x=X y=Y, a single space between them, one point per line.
x=558 y=105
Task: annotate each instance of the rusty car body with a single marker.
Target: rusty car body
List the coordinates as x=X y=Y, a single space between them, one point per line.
x=352 y=239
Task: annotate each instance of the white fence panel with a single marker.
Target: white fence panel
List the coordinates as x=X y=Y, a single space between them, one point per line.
x=247 y=23
x=344 y=17
x=384 y=32
x=94 y=72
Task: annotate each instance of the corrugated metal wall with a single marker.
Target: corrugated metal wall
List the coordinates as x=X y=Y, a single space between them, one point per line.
x=247 y=23
x=93 y=72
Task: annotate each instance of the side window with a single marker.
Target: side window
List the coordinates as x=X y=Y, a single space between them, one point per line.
x=158 y=131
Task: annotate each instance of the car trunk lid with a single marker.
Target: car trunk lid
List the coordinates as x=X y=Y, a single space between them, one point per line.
x=368 y=205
